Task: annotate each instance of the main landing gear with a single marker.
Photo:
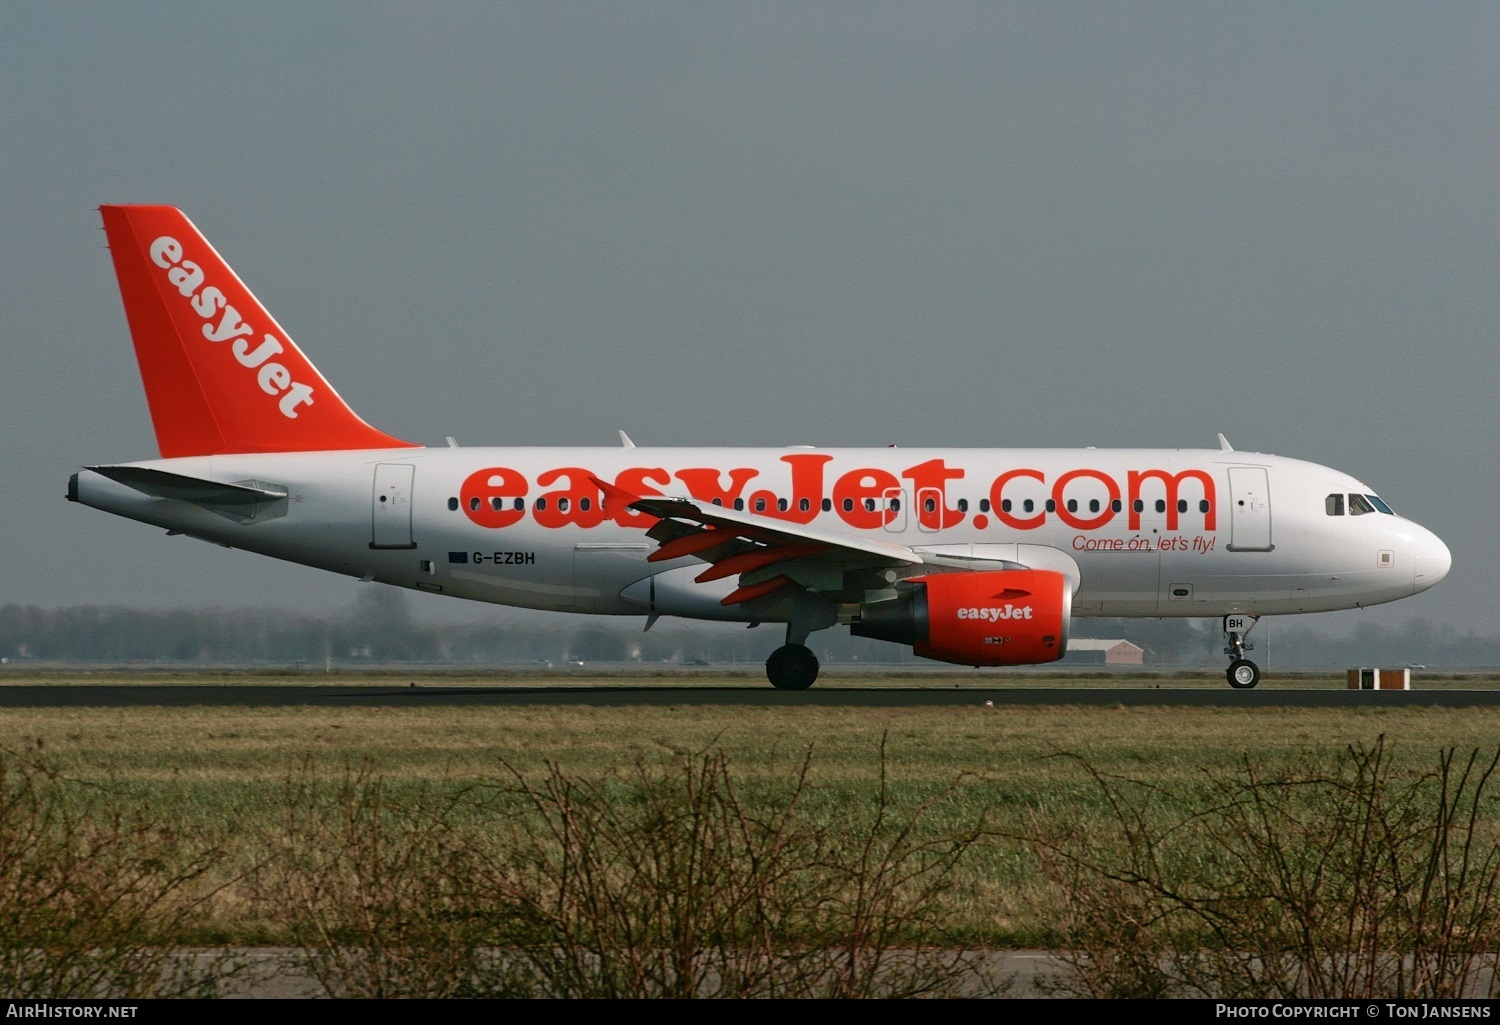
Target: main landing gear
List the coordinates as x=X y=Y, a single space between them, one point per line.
x=1242 y=673
x=792 y=667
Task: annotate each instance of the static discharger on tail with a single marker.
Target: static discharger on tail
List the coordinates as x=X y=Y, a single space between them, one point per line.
x=977 y=557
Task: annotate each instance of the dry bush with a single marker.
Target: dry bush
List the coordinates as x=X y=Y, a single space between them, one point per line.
x=376 y=894
x=93 y=902
x=669 y=883
x=663 y=881
x=1330 y=877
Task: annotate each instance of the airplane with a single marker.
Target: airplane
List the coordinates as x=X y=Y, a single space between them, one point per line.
x=977 y=557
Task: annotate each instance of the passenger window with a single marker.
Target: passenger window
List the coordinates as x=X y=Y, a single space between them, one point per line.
x=1358 y=506
x=1161 y=505
x=1182 y=505
x=541 y=503
x=869 y=505
x=1203 y=505
x=984 y=505
x=496 y=503
x=583 y=504
x=452 y=505
x=1051 y=505
x=719 y=502
x=474 y=504
x=1093 y=505
x=739 y=505
x=781 y=504
x=828 y=505
x=963 y=505
x=760 y=505
x=562 y=505
x=1334 y=505
x=848 y=505
x=1138 y=505
x=1028 y=505
x=519 y=504
x=1114 y=505
x=928 y=505
x=1072 y=505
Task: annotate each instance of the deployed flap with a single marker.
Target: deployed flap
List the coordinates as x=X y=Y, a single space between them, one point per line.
x=161 y=484
x=766 y=554
x=762 y=528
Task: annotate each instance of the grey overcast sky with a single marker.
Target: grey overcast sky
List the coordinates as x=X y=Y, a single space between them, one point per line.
x=844 y=224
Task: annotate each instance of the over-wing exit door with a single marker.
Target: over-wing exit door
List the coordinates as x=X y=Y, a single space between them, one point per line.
x=390 y=514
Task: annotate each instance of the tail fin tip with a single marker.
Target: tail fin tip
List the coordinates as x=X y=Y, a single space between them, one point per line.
x=220 y=374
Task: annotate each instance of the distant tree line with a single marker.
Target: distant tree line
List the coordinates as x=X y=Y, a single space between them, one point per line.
x=379 y=628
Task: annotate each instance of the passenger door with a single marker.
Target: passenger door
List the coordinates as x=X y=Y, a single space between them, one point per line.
x=390 y=513
x=1249 y=509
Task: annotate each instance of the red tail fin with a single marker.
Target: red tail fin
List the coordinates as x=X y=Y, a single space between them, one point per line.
x=220 y=373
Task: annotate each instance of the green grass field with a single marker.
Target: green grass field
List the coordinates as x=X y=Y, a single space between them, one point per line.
x=223 y=772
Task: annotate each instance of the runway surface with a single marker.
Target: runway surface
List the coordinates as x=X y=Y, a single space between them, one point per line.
x=254 y=695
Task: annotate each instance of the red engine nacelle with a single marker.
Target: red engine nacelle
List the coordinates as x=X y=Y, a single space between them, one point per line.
x=1011 y=617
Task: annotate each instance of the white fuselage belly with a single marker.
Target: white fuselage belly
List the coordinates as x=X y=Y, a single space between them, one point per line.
x=1255 y=541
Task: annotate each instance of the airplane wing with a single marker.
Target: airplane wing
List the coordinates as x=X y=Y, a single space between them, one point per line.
x=769 y=554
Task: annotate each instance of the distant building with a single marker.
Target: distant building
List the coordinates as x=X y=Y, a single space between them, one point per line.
x=1119 y=652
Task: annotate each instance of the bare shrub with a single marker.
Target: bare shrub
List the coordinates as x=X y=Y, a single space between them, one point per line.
x=668 y=883
x=375 y=892
x=662 y=881
x=1330 y=877
x=93 y=902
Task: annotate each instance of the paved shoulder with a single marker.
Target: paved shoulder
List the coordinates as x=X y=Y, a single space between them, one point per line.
x=235 y=695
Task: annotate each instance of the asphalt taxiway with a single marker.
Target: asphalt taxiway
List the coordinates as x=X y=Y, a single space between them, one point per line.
x=283 y=695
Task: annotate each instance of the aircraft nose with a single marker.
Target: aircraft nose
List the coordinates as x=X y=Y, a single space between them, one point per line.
x=1433 y=560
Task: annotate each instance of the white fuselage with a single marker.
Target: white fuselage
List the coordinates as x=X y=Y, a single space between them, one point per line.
x=1139 y=532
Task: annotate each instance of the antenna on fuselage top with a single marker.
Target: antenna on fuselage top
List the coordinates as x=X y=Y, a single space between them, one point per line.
x=1224 y=445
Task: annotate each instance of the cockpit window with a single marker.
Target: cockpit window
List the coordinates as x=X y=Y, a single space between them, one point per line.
x=1359 y=505
x=1334 y=504
x=1377 y=503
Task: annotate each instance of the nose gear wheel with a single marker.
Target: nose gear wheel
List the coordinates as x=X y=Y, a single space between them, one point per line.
x=1242 y=674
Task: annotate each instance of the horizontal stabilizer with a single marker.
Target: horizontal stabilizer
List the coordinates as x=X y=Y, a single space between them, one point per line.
x=161 y=484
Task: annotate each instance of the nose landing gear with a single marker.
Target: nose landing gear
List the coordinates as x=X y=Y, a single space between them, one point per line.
x=1242 y=673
